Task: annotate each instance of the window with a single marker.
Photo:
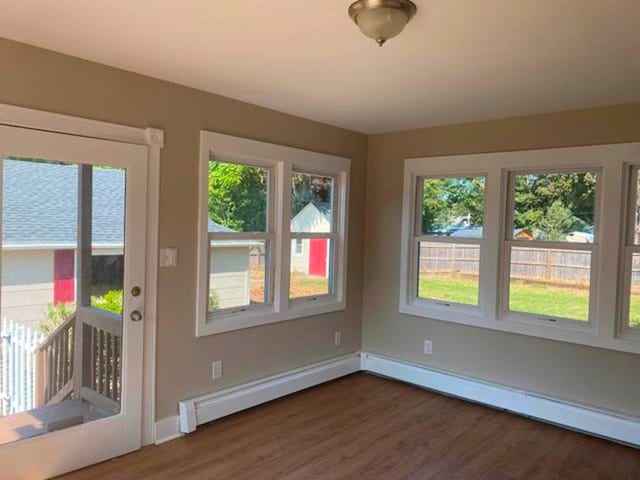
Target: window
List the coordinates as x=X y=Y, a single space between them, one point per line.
x=240 y=237
x=272 y=242
x=448 y=239
x=312 y=224
x=631 y=307
x=550 y=245
x=530 y=242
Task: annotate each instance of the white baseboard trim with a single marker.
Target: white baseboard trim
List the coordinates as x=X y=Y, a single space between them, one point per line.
x=576 y=417
x=219 y=404
x=167 y=429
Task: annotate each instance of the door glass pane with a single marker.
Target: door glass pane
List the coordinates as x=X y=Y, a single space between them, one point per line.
x=312 y=270
x=61 y=298
x=311 y=203
x=448 y=272
x=557 y=207
x=107 y=258
x=550 y=282
x=238 y=274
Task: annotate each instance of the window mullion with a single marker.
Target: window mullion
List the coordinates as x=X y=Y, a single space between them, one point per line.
x=282 y=224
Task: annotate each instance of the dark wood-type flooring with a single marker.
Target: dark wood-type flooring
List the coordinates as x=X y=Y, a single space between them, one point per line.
x=365 y=427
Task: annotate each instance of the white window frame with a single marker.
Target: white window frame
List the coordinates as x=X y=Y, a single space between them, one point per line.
x=510 y=243
x=419 y=236
x=612 y=162
x=629 y=248
x=281 y=161
x=332 y=236
x=299 y=242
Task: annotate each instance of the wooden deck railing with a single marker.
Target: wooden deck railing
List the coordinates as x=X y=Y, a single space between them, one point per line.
x=86 y=367
x=54 y=364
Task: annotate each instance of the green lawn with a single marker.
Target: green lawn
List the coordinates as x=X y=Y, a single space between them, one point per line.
x=566 y=302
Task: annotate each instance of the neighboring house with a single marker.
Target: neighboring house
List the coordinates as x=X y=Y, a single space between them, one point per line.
x=311 y=256
x=230 y=269
x=39 y=229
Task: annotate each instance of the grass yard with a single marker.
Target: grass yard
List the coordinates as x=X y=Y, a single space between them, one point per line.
x=540 y=298
x=301 y=285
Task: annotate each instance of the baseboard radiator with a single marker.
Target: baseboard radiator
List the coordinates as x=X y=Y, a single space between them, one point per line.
x=207 y=408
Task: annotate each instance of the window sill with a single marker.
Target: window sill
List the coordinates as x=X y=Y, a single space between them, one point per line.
x=214 y=324
x=629 y=343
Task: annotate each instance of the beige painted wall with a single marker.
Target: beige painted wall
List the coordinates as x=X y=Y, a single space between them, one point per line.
x=597 y=377
x=37 y=78
x=40 y=79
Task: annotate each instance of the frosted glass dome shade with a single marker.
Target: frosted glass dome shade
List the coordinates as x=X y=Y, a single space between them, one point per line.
x=381 y=24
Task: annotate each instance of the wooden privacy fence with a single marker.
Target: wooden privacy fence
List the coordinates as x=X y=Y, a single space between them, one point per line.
x=257 y=257
x=18 y=391
x=536 y=264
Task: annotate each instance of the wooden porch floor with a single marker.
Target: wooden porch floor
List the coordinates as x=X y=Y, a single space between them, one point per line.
x=365 y=427
x=45 y=419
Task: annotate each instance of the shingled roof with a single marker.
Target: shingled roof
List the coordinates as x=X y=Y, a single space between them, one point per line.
x=39 y=208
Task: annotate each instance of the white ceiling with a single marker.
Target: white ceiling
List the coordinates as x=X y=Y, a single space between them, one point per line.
x=457 y=61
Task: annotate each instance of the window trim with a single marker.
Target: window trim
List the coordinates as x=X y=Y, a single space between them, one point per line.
x=610 y=161
x=282 y=161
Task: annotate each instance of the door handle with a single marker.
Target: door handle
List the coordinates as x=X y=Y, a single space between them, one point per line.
x=136 y=316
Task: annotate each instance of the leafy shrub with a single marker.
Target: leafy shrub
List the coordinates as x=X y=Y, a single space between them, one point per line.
x=57 y=314
x=110 y=301
x=214 y=301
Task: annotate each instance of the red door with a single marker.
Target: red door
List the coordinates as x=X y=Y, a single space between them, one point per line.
x=63 y=276
x=318 y=257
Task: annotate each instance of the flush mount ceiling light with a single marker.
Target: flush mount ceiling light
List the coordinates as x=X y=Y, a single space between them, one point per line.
x=382 y=19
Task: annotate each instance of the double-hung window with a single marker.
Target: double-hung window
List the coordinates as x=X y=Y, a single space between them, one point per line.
x=272 y=233
x=448 y=238
x=542 y=242
x=631 y=296
x=313 y=236
x=550 y=246
x=241 y=232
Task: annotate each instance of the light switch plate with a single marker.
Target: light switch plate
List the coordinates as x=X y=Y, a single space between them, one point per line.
x=168 y=257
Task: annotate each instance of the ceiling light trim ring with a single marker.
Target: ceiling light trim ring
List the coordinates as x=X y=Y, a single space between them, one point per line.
x=408 y=7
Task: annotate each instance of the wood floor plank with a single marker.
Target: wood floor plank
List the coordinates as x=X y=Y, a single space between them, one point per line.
x=366 y=427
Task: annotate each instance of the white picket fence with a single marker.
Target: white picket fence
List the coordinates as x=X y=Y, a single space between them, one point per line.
x=18 y=344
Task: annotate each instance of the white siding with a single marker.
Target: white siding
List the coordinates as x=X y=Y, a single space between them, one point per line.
x=229 y=275
x=27 y=285
x=300 y=263
x=310 y=220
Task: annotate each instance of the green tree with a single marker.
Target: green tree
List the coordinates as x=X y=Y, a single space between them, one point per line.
x=238 y=196
x=309 y=188
x=557 y=221
x=445 y=199
x=536 y=195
